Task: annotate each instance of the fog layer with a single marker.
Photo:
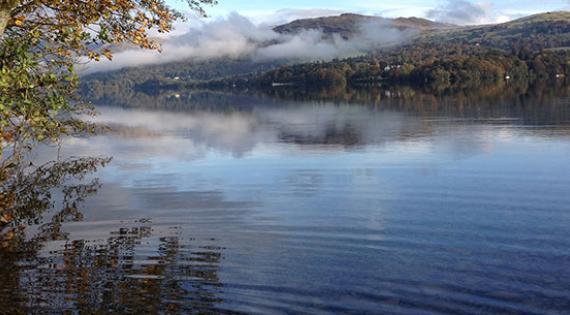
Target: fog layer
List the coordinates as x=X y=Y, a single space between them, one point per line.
x=235 y=36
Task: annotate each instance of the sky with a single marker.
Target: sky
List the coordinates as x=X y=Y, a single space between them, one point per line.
x=462 y=11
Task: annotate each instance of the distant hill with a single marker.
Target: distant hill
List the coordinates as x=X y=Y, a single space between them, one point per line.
x=545 y=30
x=349 y=24
x=536 y=46
x=531 y=48
x=344 y=25
x=549 y=24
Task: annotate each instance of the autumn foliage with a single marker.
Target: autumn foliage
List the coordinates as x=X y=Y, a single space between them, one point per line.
x=41 y=42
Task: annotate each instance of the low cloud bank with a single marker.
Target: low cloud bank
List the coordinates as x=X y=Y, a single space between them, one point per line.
x=237 y=37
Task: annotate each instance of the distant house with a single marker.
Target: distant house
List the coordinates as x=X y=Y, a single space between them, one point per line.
x=390 y=67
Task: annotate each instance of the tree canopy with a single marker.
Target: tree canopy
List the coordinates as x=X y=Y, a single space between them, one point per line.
x=41 y=42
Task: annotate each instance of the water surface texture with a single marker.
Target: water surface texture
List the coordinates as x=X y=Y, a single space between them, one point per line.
x=312 y=207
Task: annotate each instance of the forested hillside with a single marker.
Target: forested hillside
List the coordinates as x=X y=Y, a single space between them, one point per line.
x=533 y=47
x=347 y=25
x=529 y=48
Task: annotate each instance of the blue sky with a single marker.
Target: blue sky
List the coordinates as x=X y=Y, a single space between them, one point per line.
x=272 y=10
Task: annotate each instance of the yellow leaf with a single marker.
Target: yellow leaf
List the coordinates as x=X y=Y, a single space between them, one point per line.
x=19 y=21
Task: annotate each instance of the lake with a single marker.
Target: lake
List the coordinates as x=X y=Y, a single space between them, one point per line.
x=417 y=204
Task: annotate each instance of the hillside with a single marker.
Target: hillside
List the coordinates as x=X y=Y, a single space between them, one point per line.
x=530 y=48
x=546 y=30
x=345 y=25
x=348 y=24
x=527 y=48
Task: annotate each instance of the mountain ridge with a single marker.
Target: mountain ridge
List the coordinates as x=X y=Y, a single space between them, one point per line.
x=530 y=47
x=347 y=24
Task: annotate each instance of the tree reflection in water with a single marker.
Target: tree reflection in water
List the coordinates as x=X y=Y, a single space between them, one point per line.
x=43 y=271
x=26 y=194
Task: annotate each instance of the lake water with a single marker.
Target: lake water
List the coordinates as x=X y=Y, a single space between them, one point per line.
x=440 y=205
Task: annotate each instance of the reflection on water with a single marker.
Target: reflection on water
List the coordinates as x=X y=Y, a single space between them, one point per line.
x=95 y=278
x=453 y=205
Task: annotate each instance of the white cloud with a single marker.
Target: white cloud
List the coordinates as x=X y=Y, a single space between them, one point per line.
x=238 y=37
x=460 y=12
x=282 y=16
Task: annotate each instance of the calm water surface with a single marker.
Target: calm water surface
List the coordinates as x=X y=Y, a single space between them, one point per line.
x=312 y=207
